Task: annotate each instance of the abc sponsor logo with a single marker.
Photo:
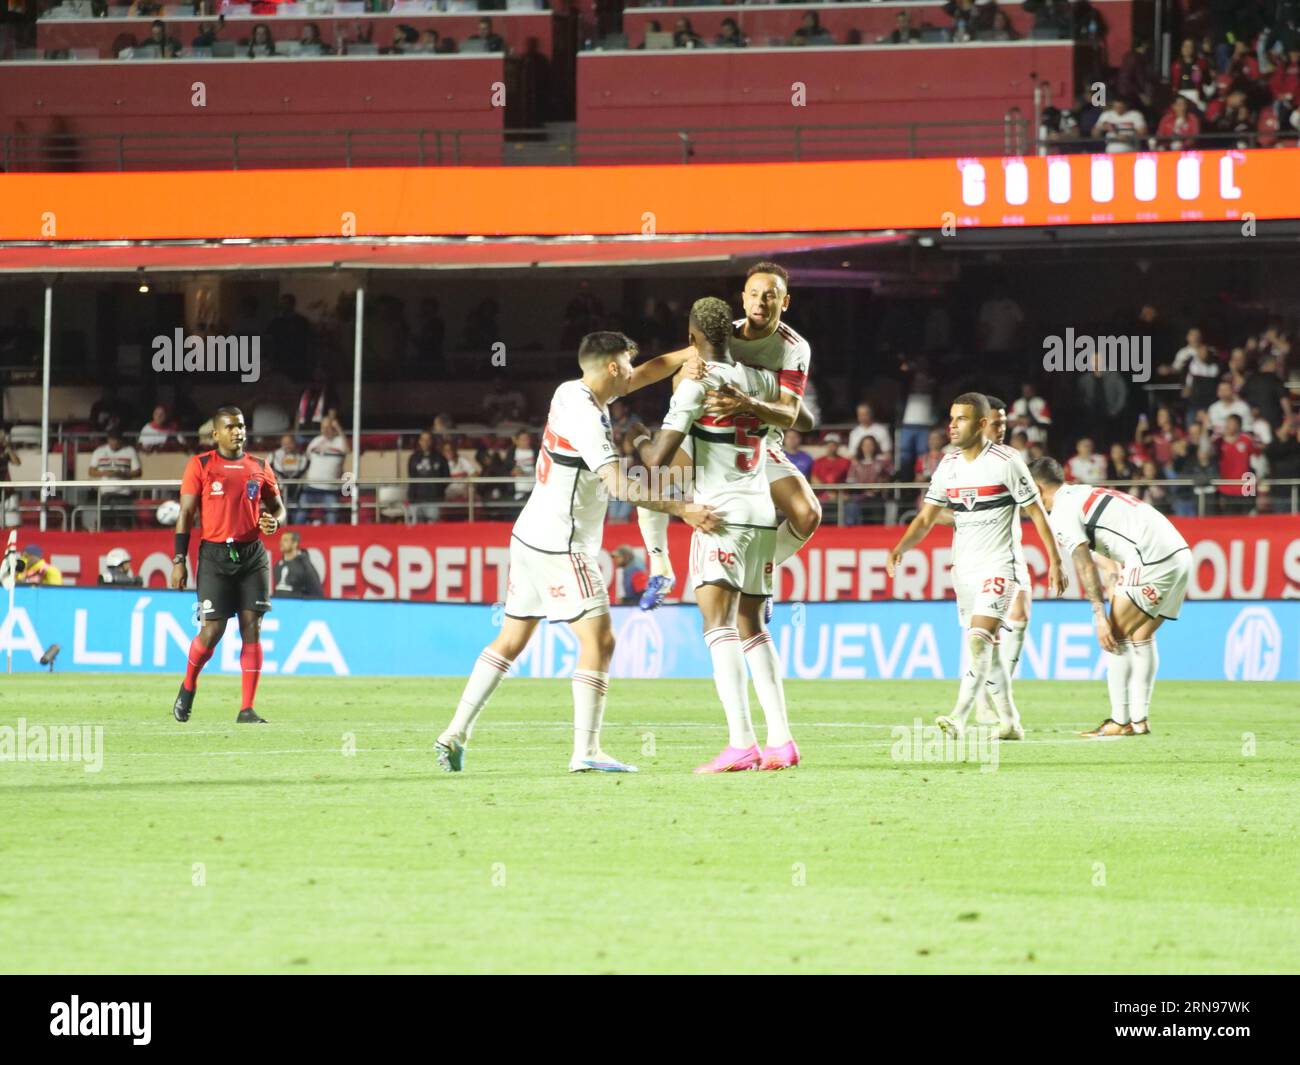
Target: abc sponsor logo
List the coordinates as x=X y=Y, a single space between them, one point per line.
x=722 y=558
x=1253 y=648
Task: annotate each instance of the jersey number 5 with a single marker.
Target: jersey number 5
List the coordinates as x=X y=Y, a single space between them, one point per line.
x=745 y=423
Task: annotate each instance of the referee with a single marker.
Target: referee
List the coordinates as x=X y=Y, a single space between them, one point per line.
x=234 y=496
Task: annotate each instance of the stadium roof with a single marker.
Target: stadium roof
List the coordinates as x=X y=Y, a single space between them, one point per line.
x=412 y=253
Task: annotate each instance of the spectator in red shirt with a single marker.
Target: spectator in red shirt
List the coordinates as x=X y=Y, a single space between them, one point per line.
x=1163 y=437
x=1179 y=126
x=1236 y=449
x=1243 y=65
x=831 y=468
x=1285 y=80
x=870 y=466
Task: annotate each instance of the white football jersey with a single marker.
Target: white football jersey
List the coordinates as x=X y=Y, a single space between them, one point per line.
x=729 y=453
x=565 y=512
x=1113 y=524
x=784 y=353
x=984 y=496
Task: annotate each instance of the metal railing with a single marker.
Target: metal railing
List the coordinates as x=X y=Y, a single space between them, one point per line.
x=501 y=498
x=235 y=150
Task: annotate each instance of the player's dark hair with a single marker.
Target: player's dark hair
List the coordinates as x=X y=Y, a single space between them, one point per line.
x=769 y=268
x=712 y=317
x=974 y=399
x=994 y=403
x=227 y=412
x=1047 y=471
x=597 y=349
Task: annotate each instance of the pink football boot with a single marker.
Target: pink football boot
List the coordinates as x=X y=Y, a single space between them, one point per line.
x=733 y=760
x=784 y=757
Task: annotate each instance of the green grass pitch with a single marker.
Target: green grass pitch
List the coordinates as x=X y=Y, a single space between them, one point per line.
x=211 y=847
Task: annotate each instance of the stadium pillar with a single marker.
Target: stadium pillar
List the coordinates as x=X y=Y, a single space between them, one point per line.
x=356 y=403
x=45 y=398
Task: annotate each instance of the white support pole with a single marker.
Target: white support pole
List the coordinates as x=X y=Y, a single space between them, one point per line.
x=45 y=398
x=356 y=403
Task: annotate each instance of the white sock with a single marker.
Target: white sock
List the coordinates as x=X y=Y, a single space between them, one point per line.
x=765 y=667
x=998 y=687
x=589 y=691
x=488 y=672
x=732 y=684
x=654 y=531
x=1118 y=668
x=980 y=644
x=788 y=543
x=1142 y=678
x=1012 y=642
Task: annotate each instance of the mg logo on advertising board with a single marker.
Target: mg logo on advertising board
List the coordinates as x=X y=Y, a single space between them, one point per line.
x=1253 y=648
x=639 y=651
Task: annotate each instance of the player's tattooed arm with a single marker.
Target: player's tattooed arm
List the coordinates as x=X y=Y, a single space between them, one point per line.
x=924 y=521
x=1092 y=588
x=728 y=401
x=180 y=560
x=619 y=486
x=652 y=371
x=1057 y=581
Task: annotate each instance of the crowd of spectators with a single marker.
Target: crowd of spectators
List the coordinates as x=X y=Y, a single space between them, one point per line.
x=1234 y=85
x=955 y=21
x=214 y=39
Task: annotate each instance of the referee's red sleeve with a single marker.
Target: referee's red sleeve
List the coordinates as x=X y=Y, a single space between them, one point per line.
x=192 y=481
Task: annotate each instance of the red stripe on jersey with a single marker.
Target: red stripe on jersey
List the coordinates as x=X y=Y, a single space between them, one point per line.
x=554 y=441
x=793 y=381
x=716 y=421
x=984 y=490
x=1000 y=450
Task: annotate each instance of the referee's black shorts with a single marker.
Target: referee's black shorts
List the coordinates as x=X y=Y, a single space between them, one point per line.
x=233 y=577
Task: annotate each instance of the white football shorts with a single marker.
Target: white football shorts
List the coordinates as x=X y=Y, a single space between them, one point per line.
x=739 y=556
x=1158 y=588
x=557 y=587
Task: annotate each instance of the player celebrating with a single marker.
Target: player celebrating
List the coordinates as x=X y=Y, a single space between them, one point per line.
x=1156 y=566
x=1018 y=616
x=982 y=483
x=731 y=569
x=553 y=547
x=235 y=496
x=760 y=340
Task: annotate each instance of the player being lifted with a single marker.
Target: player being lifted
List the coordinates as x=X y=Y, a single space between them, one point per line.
x=982 y=484
x=760 y=340
x=731 y=568
x=234 y=496
x=1013 y=639
x=553 y=549
x=1156 y=566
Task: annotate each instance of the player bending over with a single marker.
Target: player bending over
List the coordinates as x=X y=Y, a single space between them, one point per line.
x=982 y=484
x=553 y=549
x=763 y=341
x=1155 y=568
x=731 y=567
x=1013 y=638
x=235 y=497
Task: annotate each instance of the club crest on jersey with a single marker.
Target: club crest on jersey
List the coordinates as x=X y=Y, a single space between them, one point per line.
x=253 y=488
x=968 y=497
